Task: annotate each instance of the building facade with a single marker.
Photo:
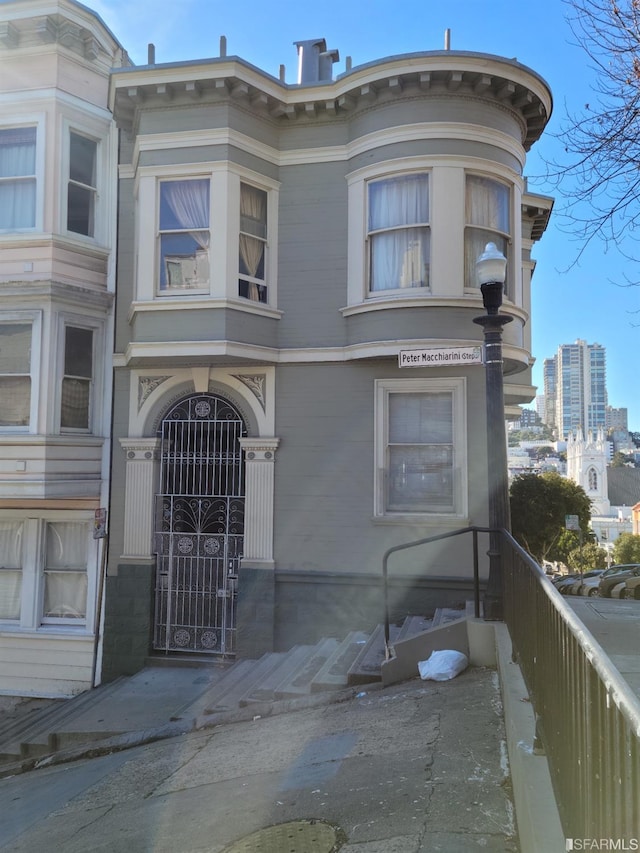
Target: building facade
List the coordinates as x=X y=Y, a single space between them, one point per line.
x=578 y=371
x=57 y=229
x=280 y=244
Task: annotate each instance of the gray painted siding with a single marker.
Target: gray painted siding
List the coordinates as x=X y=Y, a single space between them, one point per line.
x=126 y=263
x=312 y=255
x=325 y=473
x=434 y=148
x=216 y=324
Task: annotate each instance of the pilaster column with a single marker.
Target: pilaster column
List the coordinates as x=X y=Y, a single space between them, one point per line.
x=260 y=456
x=140 y=487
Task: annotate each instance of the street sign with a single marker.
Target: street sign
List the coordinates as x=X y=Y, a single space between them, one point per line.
x=572 y=522
x=440 y=356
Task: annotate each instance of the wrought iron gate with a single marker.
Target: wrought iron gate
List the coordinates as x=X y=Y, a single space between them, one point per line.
x=199 y=527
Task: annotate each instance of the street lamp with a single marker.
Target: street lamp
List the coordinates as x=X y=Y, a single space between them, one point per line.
x=491 y=269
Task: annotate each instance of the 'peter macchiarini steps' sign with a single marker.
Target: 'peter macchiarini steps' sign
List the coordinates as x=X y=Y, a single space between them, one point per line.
x=440 y=356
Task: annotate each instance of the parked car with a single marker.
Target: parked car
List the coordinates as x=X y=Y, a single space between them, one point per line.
x=615 y=575
x=588 y=584
x=631 y=588
x=562 y=584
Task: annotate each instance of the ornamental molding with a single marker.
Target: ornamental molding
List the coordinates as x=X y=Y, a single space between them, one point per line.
x=147 y=385
x=256 y=384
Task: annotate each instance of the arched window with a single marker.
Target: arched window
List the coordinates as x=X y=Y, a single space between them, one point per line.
x=593 y=480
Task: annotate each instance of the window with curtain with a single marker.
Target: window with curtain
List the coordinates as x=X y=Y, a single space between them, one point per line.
x=15 y=374
x=82 y=190
x=184 y=235
x=77 y=378
x=253 y=243
x=65 y=571
x=10 y=569
x=17 y=178
x=398 y=233
x=420 y=452
x=488 y=217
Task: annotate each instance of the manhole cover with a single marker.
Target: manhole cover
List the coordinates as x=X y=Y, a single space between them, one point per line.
x=299 y=836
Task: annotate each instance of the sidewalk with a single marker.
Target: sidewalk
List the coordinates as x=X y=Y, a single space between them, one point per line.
x=414 y=767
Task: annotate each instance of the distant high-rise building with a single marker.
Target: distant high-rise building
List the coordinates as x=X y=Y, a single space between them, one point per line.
x=549 y=376
x=579 y=373
x=617 y=419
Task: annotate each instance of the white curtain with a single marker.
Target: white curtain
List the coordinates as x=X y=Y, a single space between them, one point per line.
x=10 y=569
x=189 y=203
x=487 y=206
x=65 y=588
x=253 y=219
x=17 y=160
x=399 y=258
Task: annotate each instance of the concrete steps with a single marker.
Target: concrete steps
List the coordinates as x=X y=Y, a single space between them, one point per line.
x=159 y=695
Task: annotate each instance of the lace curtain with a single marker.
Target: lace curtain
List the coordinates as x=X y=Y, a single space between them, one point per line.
x=253 y=219
x=18 y=161
x=65 y=587
x=10 y=569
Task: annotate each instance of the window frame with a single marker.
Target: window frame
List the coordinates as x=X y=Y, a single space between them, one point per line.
x=96 y=327
x=34 y=319
x=46 y=569
x=372 y=233
x=168 y=291
x=94 y=191
x=456 y=387
x=261 y=284
x=37 y=121
x=32 y=619
x=503 y=239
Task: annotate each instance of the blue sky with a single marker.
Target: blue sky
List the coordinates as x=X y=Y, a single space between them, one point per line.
x=571 y=299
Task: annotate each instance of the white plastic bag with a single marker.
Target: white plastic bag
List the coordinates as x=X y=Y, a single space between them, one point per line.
x=443 y=665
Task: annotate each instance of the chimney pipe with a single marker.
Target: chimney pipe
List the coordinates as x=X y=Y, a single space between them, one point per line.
x=151 y=54
x=447 y=39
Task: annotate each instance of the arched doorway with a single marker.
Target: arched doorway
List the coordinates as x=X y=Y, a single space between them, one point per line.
x=199 y=529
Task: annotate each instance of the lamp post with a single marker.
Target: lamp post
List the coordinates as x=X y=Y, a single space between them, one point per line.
x=491 y=268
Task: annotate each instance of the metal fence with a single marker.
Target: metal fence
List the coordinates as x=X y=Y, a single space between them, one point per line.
x=588 y=718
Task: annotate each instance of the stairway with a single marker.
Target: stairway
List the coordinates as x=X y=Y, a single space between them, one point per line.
x=160 y=696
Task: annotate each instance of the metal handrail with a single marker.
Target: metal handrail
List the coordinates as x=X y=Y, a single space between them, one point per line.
x=385 y=586
x=587 y=716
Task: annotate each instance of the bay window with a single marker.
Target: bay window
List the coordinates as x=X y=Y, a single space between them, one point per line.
x=17 y=178
x=15 y=374
x=398 y=233
x=252 y=243
x=488 y=218
x=82 y=188
x=183 y=235
x=77 y=380
x=420 y=447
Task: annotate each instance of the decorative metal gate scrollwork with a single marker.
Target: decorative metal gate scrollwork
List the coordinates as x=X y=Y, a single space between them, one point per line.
x=199 y=527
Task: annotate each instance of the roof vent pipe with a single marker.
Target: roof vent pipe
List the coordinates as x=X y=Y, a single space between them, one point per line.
x=151 y=54
x=447 y=39
x=315 y=62
x=223 y=46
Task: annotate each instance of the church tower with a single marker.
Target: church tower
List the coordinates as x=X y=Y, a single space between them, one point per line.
x=587 y=466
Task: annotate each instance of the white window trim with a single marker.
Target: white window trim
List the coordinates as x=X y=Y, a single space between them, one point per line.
x=457 y=387
x=33 y=560
x=96 y=397
x=224 y=234
x=36 y=120
x=98 y=132
x=35 y=319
